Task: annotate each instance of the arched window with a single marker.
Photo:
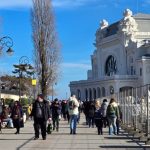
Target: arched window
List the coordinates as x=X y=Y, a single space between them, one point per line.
x=90 y=94
x=110 y=66
x=103 y=92
x=94 y=93
x=98 y=92
x=86 y=94
x=79 y=94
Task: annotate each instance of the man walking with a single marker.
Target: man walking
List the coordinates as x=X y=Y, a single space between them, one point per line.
x=41 y=113
x=73 y=105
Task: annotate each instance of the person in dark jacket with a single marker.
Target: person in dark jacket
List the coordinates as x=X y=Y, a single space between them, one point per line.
x=98 y=117
x=56 y=111
x=64 y=109
x=17 y=116
x=91 y=112
x=85 y=110
x=41 y=114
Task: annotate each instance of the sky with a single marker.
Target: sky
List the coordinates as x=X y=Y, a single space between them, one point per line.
x=76 y=24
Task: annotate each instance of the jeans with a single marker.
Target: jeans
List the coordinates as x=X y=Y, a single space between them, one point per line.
x=9 y=121
x=112 y=125
x=73 y=124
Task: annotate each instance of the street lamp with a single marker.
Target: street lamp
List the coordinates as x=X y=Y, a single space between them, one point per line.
x=7 y=42
x=23 y=66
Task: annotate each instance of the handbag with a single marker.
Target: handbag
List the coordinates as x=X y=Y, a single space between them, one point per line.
x=21 y=123
x=49 y=128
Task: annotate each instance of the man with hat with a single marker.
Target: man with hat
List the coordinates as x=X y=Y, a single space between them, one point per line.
x=40 y=113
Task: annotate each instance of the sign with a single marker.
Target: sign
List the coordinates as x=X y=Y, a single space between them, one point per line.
x=33 y=82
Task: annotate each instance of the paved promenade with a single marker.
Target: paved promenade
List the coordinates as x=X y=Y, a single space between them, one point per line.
x=85 y=139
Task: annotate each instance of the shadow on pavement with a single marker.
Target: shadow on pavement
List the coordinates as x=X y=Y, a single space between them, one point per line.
x=13 y=139
x=20 y=133
x=21 y=146
x=119 y=138
x=123 y=146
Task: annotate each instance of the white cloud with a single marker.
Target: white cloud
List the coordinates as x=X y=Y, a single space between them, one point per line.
x=76 y=66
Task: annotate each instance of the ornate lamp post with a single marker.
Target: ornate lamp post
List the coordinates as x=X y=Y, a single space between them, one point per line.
x=23 y=66
x=7 y=42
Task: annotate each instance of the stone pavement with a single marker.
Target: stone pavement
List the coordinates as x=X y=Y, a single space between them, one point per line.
x=85 y=139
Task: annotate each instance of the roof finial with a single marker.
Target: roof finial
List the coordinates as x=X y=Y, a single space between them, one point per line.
x=103 y=24
x=127 y=13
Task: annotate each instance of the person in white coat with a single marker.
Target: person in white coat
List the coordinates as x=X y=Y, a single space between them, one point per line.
x=73 y=105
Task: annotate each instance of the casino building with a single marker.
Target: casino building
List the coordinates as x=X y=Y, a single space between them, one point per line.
x=121 y=58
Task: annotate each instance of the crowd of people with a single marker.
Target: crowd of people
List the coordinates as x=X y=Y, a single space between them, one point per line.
x=101 y=115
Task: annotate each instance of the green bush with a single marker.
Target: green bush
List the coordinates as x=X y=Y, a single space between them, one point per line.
x=24 y=101
x=8 y=101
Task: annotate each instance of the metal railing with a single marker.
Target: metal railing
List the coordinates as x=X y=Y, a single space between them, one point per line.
x=135 y=103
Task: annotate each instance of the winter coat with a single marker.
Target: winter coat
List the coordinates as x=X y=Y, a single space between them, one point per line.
x=98 y=118
x=91 y=110
x=17 y=116
x=104 y=109
x=45 y=110
x=113 y=111
x=75 y=110
x=56 y=110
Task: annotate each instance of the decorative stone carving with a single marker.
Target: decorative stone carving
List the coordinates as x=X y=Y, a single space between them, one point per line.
x=103 y=24
x=128 y=26
x=101 y=31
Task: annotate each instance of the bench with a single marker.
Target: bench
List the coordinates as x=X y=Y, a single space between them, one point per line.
x=3 y=124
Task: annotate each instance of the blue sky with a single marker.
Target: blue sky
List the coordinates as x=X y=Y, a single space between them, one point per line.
x=76 y=24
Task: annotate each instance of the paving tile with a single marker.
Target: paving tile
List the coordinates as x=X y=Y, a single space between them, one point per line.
x=85 y=139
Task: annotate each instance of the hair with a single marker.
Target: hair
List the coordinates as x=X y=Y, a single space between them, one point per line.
x=112 y=100
x=41 y=96
x=97 y=103
x=56 y=99
x=104 y=100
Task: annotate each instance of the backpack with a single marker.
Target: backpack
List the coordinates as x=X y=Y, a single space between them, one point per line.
x=111 y=111
x=71 y=105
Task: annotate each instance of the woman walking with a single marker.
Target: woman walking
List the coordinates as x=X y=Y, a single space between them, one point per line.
x=98 y=118
x=113 y=115
x=17 y=116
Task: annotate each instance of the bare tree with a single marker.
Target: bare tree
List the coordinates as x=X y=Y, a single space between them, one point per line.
x=46 y=46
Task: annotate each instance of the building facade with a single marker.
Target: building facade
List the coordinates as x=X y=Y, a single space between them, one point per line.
x=121 y=59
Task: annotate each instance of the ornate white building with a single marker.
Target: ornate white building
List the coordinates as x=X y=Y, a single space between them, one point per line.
x=121 y=59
